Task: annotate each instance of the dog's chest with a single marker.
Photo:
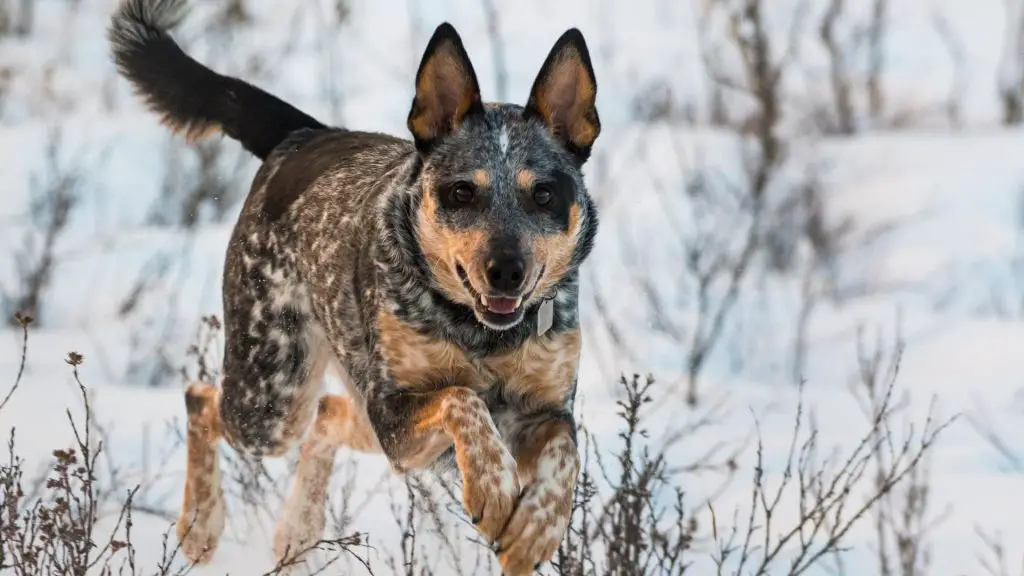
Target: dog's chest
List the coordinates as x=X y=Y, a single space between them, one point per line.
x=541 y=371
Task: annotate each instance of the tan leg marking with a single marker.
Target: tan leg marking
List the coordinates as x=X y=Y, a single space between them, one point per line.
x=490 y=483
x=551 y=463
x=339 y=422
x=201 y=521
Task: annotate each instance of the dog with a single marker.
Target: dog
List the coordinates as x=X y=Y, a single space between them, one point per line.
x=438 y=274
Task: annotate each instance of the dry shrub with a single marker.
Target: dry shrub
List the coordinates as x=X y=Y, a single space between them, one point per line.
x=630 y=514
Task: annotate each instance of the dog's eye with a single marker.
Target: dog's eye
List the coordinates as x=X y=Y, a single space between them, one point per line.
x=542 y=195
x=462 y=193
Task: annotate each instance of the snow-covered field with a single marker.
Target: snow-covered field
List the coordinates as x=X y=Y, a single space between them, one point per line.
x=948 y=281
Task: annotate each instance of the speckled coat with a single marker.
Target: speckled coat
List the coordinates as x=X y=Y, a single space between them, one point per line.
x=389 y=261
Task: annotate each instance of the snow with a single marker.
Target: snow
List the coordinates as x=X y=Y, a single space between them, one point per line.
x=949 y=273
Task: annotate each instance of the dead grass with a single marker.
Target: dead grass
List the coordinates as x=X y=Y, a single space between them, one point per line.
x=631 y=516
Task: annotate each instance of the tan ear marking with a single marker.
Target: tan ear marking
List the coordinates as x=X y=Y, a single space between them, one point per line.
x=446 y=87
x=566 y=101
x=565 y=93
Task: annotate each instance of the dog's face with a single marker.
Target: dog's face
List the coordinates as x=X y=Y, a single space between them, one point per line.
x=504 y=214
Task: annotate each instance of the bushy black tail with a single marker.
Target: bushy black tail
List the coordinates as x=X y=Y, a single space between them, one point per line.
x=190 y=98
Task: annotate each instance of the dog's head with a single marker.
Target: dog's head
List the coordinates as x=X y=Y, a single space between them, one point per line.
x=504 y=214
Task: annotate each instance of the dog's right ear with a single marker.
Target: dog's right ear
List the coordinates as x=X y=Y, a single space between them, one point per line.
x=446 y=89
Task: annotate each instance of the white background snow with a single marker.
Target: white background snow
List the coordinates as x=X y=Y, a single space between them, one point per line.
x=951 y=271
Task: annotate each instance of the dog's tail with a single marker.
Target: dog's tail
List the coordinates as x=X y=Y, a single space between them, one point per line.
x=190 y=98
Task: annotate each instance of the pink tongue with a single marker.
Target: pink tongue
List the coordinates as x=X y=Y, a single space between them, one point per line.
x=501 y=305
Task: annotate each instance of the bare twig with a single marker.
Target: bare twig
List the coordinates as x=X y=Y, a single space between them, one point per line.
x=838 y=74
x=876 y=37
x=24 y=320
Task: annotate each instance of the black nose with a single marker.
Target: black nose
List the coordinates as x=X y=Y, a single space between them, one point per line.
x=505 y=274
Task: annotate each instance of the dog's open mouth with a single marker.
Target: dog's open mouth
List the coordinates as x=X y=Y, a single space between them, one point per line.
x=503 y=308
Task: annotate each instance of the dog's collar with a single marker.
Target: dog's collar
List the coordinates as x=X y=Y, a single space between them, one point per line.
x=546 y=315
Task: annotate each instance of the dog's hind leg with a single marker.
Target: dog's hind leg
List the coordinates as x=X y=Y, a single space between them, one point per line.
x=255 y=422
x=274 y=362
x=201 y=521
x=339 y=422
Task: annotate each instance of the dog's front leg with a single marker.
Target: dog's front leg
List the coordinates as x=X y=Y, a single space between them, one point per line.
x=416 y=427
x=544 y=445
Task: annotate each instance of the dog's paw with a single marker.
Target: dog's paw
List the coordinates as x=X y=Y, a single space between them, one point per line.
x=292 y=542
x=490 y=485
x=537 y=527
x=297 y=533
x=199 y=535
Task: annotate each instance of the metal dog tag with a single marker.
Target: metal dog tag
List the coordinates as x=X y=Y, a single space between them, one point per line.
x=545 y=316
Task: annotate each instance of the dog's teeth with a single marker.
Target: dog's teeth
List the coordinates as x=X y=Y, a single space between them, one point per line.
x=483 y=300
x=519 y=301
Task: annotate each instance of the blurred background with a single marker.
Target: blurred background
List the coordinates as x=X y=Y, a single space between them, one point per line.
x=812 y=213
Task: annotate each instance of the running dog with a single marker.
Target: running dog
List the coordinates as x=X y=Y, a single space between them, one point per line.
x=438 y=275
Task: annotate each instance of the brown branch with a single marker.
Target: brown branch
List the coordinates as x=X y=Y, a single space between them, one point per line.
x=23 y=320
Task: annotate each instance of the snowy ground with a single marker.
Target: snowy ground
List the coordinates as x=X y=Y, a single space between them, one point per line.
x=951 y=272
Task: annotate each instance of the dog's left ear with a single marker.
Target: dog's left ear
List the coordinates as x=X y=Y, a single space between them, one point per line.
x=564 y=95
x=446 y=88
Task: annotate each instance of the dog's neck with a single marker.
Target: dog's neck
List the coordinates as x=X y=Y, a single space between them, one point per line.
x=406 y=280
